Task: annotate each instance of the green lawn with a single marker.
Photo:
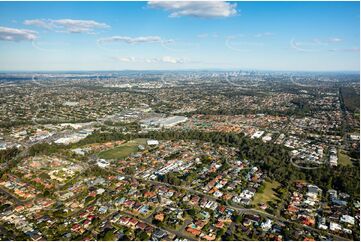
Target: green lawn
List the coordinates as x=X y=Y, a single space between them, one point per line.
x=344 y=159
x=122 y=151
x=267 y=195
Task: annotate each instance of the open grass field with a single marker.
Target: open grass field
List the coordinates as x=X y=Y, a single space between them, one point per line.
x=268 y=194
x=122 y=151
x=344 y=159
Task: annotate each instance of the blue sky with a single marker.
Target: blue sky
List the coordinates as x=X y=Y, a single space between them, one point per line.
x=298 y=36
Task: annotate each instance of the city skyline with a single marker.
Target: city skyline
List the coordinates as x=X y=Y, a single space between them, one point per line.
x=286 y=36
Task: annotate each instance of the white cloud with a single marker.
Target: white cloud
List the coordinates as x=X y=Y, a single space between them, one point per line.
x=67 y=25
x=214 y=9
x=355 y=50
x=206 y=35
x=308 y=46
x=328 y=41
x=39 y=23
x=172 y=60
x=334 y=40
x=164 y=59
x=300 y=46
x=264 y=34
x=351 y=50
x=126 y=59
x=201 y=36
x=10 y=34
x=316 y=44
x=238 y=43
x=134 y=40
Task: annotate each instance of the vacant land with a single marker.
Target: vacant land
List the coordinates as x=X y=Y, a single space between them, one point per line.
x=268 y=193
x=122 y=151
x=344 y=159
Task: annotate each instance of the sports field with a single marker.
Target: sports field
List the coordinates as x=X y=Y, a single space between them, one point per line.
x=122 y=151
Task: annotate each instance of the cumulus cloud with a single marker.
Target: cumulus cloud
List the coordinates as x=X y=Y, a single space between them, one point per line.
x=134 y=40
x=11 y=34
x=39 y=23
x=214 y=9
x=67 y=25
x=164 y=59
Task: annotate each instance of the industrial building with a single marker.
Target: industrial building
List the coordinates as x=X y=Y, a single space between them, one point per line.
x=163 y=122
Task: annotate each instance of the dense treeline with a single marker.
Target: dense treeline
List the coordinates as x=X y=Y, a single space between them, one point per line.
x=350 y=99
x=44 y=149
x=274 y=159
x=8 y=154
x=10 y=124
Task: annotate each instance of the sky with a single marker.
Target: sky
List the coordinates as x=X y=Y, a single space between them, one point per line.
x=286 y=36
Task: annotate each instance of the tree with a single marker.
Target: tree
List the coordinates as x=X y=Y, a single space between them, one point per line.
x=229 y=237
x=143 y=236
x=191 y=212
x=109 y=236
x=237 y=219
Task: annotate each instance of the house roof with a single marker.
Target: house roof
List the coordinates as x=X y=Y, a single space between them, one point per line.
x=193 y=231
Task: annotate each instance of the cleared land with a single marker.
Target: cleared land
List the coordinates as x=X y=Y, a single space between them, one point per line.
x=122 y=151
x=268 y=194
x=344 y=159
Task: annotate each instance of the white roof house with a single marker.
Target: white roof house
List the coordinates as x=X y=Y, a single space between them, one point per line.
x=102 y=163
x=266 y=225
x=335 y=226
x=347 y=219
x=152 y=142
x=257 y=134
